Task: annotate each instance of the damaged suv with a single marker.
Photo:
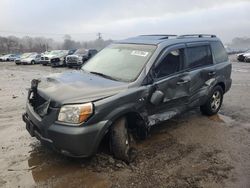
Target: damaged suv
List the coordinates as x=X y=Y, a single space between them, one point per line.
x=125 y=89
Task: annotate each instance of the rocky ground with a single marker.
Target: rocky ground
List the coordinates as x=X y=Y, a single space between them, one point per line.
x=191 y=150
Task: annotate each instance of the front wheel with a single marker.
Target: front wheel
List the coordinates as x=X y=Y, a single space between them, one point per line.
x=121 y=141
x=214 y=102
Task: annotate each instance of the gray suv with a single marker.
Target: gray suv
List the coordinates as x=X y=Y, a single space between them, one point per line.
x=124 y=90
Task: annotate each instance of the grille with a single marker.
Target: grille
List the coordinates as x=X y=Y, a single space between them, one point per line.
x=39 y=104
x=72 y=59
x=46 y=58
x=55 y=60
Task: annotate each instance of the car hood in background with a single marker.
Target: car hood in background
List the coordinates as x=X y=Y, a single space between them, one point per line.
x=78 y=87
x=49 y=56
x=26 y=59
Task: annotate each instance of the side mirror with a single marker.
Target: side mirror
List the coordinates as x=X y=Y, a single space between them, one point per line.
x=157 y=97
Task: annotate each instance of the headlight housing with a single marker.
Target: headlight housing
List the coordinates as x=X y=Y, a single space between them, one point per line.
x=75 y=114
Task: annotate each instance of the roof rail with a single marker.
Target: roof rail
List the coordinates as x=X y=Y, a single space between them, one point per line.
x=197 y=35
x=160 y=36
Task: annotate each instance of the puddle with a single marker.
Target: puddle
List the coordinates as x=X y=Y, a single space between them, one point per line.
x=221 y=118
x=62 y=172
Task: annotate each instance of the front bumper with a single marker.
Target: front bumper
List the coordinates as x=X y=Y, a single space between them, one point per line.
x=81 y=141
x=45 y=62
x=74 y=64
x=57 y=63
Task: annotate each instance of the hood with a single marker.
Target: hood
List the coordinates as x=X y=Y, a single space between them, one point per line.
x=77 y=55
x=49 y=56
x=246 y=54
x=78 y=87
x=26 y=59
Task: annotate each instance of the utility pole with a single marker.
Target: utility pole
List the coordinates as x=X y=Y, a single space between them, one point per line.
x=99 y=35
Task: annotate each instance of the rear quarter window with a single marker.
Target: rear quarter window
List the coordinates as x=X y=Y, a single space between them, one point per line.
x=219 y=52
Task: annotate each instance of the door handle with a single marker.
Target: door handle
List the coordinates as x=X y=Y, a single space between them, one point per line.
x=212 y=73
x=182 y=82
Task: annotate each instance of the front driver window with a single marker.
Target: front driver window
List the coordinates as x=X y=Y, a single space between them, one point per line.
x=170 y=64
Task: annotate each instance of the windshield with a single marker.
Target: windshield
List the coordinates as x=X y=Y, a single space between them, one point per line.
x=81 y=51
x=33 y=56
x=55 y=52
x=122 y=62
x=25 y=55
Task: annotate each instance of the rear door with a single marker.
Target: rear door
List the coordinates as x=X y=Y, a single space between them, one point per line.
x=201 y=70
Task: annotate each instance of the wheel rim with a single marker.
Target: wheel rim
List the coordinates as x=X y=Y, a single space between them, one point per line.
x=216 y=100
x=130 y=146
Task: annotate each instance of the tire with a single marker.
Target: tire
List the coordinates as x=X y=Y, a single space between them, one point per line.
x=32 y=62
x=121 y=141
x=214 y=102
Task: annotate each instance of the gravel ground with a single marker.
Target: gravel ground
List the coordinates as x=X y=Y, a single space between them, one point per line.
x=190 y=150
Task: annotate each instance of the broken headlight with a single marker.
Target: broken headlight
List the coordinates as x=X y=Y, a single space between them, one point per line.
x=76 y=113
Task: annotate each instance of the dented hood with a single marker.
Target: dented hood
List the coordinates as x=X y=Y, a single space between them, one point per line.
x=78 y=87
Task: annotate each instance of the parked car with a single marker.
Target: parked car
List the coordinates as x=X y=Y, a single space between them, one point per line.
x=29 y=59
x=125 y=89
x=46 y=58
x=247 y=59
x=23 y=56
x=59 y=59
x=9 y=57
x=79 y=57
x=243 y=57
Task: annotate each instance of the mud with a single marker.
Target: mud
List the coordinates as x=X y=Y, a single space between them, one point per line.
x=190 y=150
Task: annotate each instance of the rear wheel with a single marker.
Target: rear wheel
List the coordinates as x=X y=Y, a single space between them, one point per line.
x=122 y=142
x=32 y=62
x=214 y=102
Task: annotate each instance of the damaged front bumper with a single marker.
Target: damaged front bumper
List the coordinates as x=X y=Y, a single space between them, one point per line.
x=80 y=141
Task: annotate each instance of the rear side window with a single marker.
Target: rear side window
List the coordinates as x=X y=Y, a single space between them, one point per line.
x=219 y=52
x=199 y=56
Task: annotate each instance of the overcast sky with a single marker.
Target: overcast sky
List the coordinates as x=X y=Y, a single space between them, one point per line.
x=118 y=19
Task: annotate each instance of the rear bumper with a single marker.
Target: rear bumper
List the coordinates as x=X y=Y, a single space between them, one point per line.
x=228 y=85
x=80 y=141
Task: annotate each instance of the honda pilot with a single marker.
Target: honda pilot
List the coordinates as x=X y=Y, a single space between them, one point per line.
x=124 y=90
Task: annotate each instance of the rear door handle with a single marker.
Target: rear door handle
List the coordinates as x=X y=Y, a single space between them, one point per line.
x=182 y=82
x=212 y=73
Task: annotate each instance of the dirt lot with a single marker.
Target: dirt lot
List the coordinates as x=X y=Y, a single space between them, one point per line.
x=189 y=151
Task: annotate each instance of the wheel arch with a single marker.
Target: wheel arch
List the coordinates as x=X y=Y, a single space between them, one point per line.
x=222 y=85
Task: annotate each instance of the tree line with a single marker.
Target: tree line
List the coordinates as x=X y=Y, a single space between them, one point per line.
x=13 y=44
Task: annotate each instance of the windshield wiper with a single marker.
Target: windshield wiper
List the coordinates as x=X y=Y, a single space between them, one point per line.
x=103 y=75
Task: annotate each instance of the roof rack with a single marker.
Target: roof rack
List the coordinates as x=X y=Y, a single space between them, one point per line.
x=197 y=35
x=159 y=36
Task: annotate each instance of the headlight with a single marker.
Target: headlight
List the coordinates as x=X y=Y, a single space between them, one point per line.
x=75 y=114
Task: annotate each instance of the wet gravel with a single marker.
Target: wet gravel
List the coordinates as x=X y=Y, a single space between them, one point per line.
x=190 y=150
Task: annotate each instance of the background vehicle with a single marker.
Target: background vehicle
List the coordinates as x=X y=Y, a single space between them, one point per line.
x=79 y=57
x=247 y=59
x=59 y=59
x=46 y=58
x=23 y=56
x=29 y=58
x=242 y=57
x=125 y=89
x=9 y=57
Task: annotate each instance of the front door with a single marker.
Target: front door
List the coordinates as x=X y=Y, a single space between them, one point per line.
x=173 y=82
